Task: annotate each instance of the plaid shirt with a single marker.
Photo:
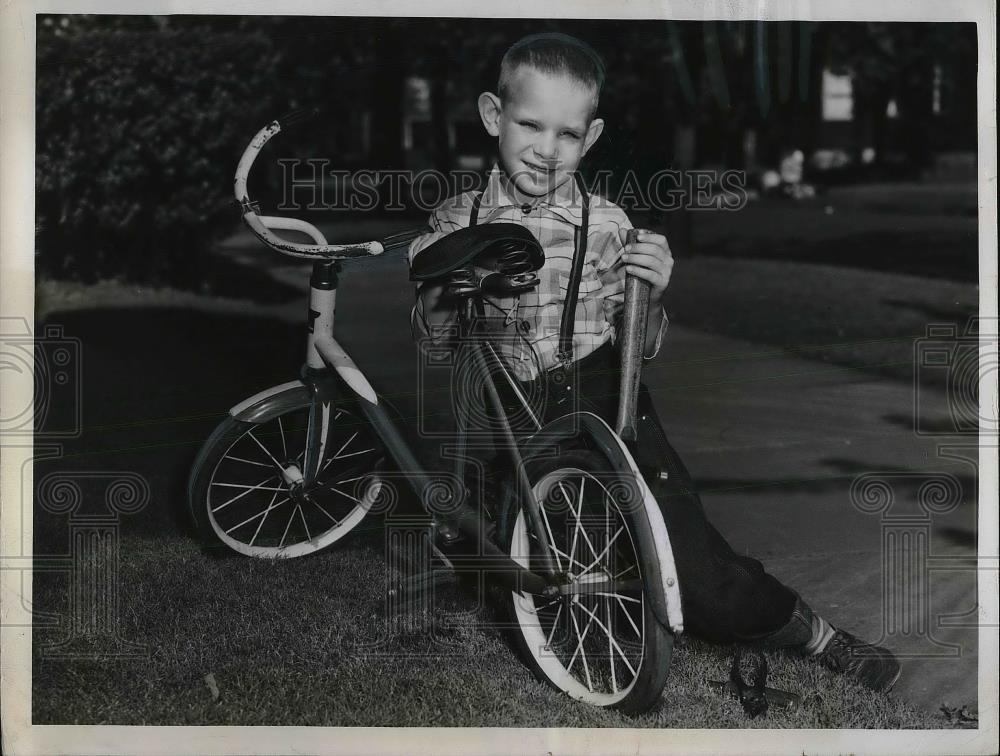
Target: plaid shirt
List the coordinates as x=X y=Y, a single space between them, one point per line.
x=530 y=321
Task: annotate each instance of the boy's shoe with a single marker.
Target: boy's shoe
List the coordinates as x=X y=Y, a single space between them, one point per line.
x=445 y=534
x=873 y=666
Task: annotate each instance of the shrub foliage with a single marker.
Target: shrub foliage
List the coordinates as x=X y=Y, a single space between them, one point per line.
x=137 y=135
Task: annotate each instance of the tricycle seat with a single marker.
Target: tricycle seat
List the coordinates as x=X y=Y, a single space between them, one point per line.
x=505 y=248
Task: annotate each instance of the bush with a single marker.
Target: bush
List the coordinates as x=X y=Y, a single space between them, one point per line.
x=138 y=133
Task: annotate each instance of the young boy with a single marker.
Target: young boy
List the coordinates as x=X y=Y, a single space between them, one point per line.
x=543 y=117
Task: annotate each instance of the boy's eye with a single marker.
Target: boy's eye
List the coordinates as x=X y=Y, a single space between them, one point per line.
x=571 y=135
x=530 y=125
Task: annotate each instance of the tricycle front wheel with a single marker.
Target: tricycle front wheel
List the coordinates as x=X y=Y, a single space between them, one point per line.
x=246 y=489
x=602 y=643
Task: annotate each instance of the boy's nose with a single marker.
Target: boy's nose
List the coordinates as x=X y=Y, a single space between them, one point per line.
x=546 y=149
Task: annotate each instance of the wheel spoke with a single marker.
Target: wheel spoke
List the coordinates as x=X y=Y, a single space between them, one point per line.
x=628 y=614
x=607 y=606
x=604 y=550
x=576 y=520
x=281 y=543
x=552 y=540
x=243 y=485
x=354 y=454
x=546 y=605
x=240 y=496
x=247 y=461
x=624 y=572
x=266 y=451
x=321 y=509
x=570 y=561
x=355 y=499
x=284 y=446
x=262 y=519
x=336 y=454
x=577 y=514
x=349 y=480
x=611 y=654
x=259 y=514
x=607 y=515
x=579 y=647
x=555 y=624
x=614 y=643
x=302 y=516
x=618 y=596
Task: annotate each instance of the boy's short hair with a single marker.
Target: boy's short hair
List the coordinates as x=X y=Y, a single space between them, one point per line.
x=553 y=53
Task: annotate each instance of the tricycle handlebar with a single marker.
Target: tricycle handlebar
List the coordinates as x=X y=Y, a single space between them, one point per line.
x=263 y=226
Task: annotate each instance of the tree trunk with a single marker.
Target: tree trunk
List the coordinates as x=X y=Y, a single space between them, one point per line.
x=439 y=109
x=678 y=222
x=386 y=146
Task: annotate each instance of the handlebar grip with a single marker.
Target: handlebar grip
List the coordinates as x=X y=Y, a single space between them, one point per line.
x=633 y=338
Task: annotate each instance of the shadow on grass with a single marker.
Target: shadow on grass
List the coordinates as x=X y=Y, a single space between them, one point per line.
x=951 y=315
x=959 y=537
x=846 y=471
x=223 y=276
x=153 y=384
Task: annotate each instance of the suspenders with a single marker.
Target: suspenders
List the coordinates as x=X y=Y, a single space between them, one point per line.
x=474 y=215
x=566 y=323
x=565 y=353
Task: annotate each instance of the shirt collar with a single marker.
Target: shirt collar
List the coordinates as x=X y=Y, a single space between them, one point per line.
x=566 y=202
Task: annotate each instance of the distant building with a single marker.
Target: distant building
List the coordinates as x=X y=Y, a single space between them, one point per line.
x=861 y=132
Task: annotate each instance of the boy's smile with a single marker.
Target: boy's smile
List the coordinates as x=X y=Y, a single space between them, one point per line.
x=543 y=129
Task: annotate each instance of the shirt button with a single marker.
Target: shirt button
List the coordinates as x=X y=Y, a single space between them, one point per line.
x=525 y=326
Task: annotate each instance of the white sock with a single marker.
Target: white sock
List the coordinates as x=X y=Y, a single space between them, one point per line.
x=822 y=632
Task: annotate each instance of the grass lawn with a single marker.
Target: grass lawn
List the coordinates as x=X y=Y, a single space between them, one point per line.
x=311 y=642
x=928 y=229
x=864 y=319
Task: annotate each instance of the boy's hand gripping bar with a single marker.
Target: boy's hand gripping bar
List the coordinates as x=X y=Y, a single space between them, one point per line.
x=633 y=341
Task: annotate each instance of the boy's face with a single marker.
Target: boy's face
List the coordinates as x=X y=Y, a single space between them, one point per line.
x=544 y=129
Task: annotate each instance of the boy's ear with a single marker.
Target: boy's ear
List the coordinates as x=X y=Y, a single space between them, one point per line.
x=489 y=110
x=593 y=132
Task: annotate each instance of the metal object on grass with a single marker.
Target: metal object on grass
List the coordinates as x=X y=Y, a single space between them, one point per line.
x=756 y=698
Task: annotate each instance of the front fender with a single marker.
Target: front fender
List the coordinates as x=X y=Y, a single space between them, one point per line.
x=579 y=426
x=271 y=402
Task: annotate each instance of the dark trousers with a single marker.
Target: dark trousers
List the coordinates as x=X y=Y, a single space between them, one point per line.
x=725 y=597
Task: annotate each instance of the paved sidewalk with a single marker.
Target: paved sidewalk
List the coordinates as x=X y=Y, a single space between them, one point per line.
x=774 y=442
